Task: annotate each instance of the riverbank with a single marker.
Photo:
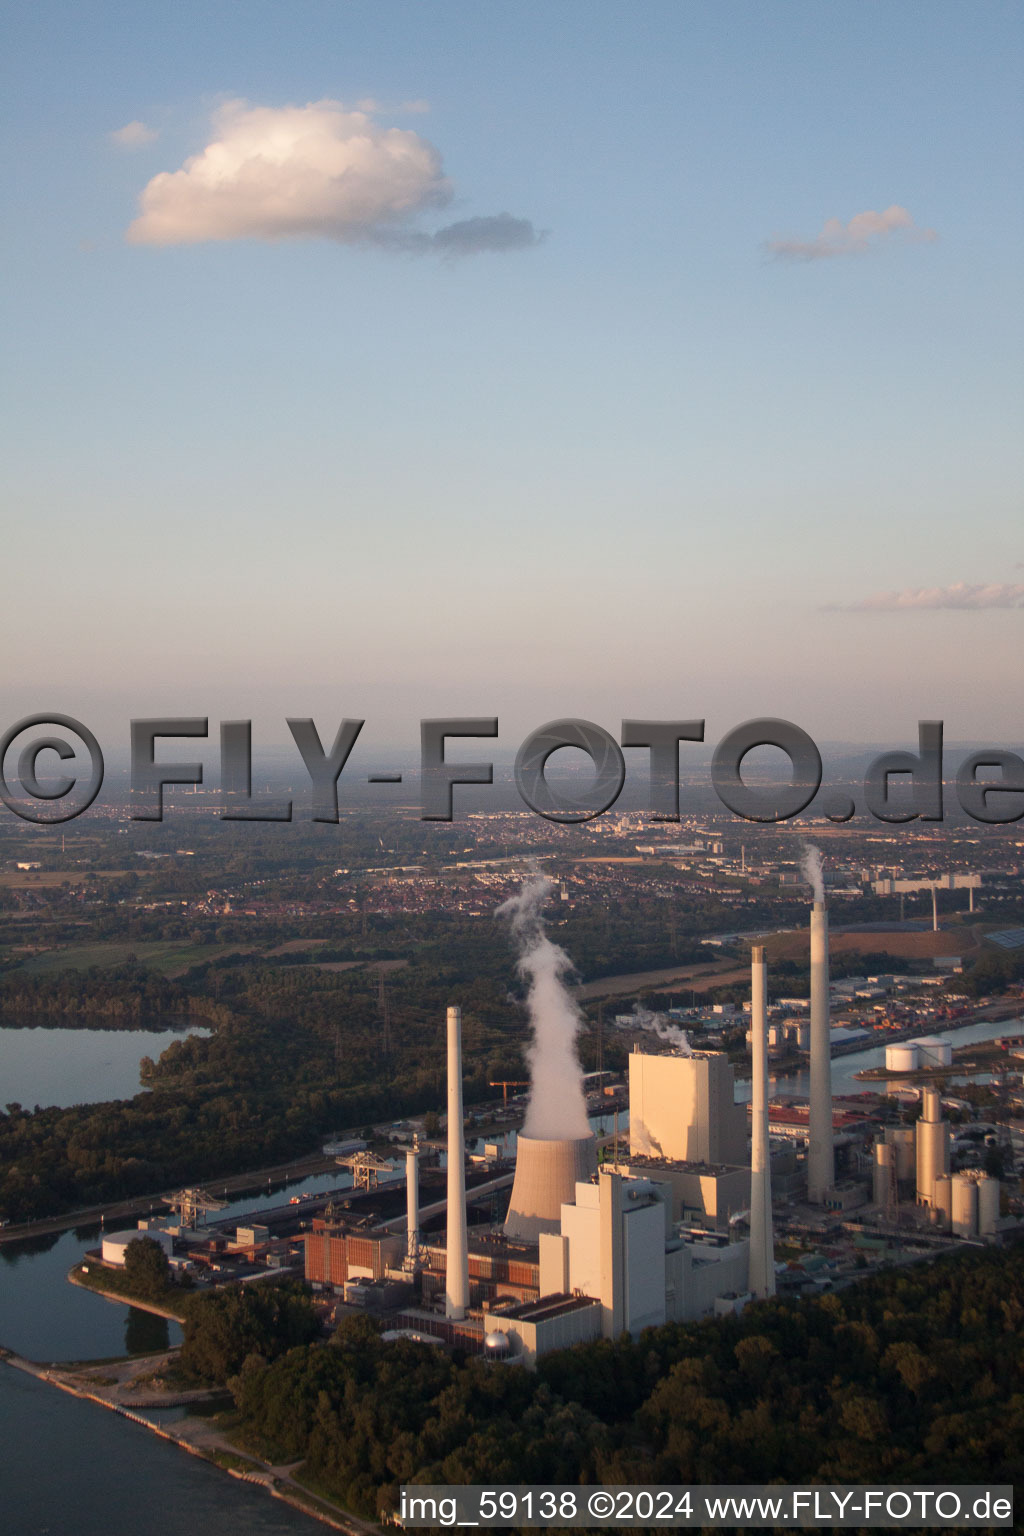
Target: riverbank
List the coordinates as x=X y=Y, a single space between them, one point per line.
x=142 y=1205
x=102 y=1383
x=122 y=1298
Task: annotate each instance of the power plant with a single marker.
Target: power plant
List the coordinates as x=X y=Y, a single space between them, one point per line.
x=656 y=1232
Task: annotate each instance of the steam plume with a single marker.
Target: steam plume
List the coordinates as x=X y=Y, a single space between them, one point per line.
x=812 y=870
x=641 y=1140
x=658 y=1024
x=557 y=1108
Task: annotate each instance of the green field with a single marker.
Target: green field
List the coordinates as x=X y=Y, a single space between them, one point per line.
x=169 y=957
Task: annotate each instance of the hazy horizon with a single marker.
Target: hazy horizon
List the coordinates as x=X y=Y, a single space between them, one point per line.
x=586 y=361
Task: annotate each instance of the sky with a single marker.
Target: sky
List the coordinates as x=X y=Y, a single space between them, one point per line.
x=600 y=360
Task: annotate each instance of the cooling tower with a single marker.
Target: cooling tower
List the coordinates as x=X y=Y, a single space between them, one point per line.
x=820 y=1155
x=547 y=1173
x=457 y=1255
x=762 y=1242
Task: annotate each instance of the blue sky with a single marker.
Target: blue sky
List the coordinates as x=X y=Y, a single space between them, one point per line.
x=642 y=461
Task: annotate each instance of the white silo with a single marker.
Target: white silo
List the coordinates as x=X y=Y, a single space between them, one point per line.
x=762 y=1243
x=820 y=1153
x=932 y=1146
x=965 y=1205
x=942 y=1200
x=457 y=1251
x=988 y=1205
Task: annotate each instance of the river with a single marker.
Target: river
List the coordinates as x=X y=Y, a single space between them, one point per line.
x=845 y=1068
x=70 y=1468
x=102 y=1490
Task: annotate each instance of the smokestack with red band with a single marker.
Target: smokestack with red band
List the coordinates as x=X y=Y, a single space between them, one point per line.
x=762 y=1238
x=820 y=1155
x=457 y=1257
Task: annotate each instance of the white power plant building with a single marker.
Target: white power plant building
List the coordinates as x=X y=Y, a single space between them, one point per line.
x=617 y=1264
x=685 y=1130
x=681 y=1108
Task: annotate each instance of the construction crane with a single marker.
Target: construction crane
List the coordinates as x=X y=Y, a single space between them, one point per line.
x=505 y=1085
x=191 y=1203
x=366 y=1168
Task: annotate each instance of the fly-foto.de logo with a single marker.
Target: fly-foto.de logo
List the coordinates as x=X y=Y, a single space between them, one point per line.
x=58 y=768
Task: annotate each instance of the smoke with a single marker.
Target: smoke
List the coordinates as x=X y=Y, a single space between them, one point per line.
x=557 y=1107
x=658 y=1024
x=641 y=1141
x=812 y=870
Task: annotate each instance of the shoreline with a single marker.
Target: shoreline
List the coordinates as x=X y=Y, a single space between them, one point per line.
x=125 y=1301
x=278 y=1485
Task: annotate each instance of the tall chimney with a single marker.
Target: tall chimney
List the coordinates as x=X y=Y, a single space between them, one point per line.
x=820 y=1156
x=935 y=909
x=412 y=1193
x=457 y=1257
x=762 y=1238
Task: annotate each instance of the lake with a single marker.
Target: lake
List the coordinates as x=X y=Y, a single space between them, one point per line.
x=40 y=1066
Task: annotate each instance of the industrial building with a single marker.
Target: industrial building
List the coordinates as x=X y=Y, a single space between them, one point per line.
x=966 y=1203
x=584 y=1252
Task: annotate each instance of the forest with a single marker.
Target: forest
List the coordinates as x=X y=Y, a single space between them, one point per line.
x=911 y=1375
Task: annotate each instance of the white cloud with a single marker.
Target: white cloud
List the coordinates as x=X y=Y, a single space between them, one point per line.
x=133 y=135
x=862 y=232
x=318 y=171
x=962 y=595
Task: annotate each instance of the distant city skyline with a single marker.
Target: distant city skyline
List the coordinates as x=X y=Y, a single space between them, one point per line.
x=408 y=361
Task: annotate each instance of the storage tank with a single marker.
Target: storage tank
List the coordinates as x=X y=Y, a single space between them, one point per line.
x=942 y=1200
x=115 y=1244
x=901 y=1058
x=965 y=1205
x=547 y=1173
x=932 y=1051
x=988 y=1205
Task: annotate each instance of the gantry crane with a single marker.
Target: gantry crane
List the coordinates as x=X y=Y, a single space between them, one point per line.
x=366 y=1168
x=190 y=1203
